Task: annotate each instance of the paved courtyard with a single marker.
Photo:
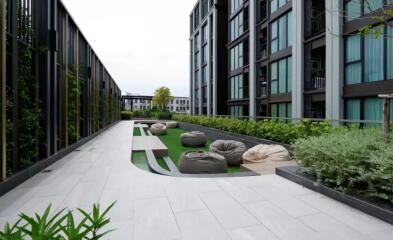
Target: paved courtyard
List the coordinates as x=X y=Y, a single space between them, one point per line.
x=152 y=207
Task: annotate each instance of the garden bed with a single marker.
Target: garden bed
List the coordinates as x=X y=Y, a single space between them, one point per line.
x=378 y=209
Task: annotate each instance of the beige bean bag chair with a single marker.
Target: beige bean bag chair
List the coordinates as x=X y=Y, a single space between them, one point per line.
x=158 y=129
x=193 y=139
x=171 y=125
x=262 y=153
x=232 y=151
x=201 y=162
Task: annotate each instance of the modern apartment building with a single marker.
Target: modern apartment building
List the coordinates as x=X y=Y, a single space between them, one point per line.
x=303 y=59
x=208 y=58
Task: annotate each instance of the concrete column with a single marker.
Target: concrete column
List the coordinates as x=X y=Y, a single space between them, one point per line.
x=297 y=59
x=334 y=60
x=192 y=89
x=252 y=52
x=215 y=67
x=200 y=71
x=209 y=97
x=3 y=150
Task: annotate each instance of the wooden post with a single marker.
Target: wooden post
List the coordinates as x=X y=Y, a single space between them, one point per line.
x=3 y=100
x=386 y=115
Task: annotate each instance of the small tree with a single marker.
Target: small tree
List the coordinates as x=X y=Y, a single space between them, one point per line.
x=162 y=96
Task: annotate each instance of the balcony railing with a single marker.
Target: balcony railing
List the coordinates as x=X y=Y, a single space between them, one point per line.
x=318 y=80
x=317 y=22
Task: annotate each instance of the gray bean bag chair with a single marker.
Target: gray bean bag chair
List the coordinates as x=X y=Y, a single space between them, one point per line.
x=193 y=139
x=158 y=129
x=231 y=150
x=201 y=162
x=171 y=125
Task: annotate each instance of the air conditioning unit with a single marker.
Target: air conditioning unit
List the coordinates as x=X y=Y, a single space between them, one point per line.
x=316 y=64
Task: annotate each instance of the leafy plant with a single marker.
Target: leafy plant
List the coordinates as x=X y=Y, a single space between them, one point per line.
x=73 y=95
x=125 y=115
x=61 y=226
x=350 y=160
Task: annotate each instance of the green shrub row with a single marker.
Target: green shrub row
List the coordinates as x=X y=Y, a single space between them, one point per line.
x=126 y=115
x=278 y=131
x=350 y=160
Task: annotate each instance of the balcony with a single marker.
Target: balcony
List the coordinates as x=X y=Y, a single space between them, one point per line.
x=317 y=80
x=316 y=23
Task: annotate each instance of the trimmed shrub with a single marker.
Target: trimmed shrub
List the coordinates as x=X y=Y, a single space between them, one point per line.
x=125 y=115
x=273 y=130
x=349 y=160
x=162 y=115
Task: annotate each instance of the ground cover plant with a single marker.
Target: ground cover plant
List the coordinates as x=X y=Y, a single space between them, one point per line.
x=60 y=226
x=274 y=130
x=351 y=160
x=175 y=148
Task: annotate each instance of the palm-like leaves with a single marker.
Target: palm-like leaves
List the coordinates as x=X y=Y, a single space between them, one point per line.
x=60 y=226
x=11 y=232
x=43 y=227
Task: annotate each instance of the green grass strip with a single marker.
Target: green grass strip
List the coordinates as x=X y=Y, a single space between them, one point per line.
x=137 y=132
x=139 y=159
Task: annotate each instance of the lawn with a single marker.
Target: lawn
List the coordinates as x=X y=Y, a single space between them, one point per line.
x=137 y=132
x=175 y=148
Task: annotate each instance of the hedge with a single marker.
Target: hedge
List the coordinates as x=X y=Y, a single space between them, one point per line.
x=125 y=115
x=278 y=131
x=349 y=160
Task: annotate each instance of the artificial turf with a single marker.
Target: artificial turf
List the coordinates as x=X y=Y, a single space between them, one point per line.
x=175 y=148
x=139 y=159
x=137 y=132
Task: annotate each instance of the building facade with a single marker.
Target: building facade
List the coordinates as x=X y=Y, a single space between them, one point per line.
x=132 y=102
x=303 y=59
x=208 y=57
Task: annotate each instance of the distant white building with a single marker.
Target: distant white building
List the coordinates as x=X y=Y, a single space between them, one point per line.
x=140 y=103
x=179 y=105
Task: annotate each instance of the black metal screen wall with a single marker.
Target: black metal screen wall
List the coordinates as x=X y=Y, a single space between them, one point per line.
x=54 y=89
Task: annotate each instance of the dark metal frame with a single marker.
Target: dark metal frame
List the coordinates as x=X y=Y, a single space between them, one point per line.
x=56 y=44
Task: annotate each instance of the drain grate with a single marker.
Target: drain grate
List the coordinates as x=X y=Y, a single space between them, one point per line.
x=47 y=171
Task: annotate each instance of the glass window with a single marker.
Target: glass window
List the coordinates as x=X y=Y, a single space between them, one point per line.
x=281 y=34
x=353 y=10
x=274 y=78
x=282 y=76
x=353 y=71
x=390 y=52
x=373 y=111
x=290 y=74
x=236 y=56
x=235 y=4
x=352 y=109
x=236 y=27
x=282 y=110
x=274 y=112
x=373 y=58
x=273 y=5
x=370 y=6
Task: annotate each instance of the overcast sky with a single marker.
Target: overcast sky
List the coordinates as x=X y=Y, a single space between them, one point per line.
x=143 y=43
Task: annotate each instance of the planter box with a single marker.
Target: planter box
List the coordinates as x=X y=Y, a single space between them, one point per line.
x=383 y=211
x=216 y=134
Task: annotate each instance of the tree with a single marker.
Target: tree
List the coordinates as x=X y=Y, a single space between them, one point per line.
x=162 y=96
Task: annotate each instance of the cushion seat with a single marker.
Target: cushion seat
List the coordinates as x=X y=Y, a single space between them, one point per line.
x=193 y=139
x=202 y=162
x=232 y=151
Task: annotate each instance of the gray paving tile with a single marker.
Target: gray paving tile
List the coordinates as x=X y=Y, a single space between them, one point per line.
x=280 y=223
x=154 y=219
x=198 y=225
x=283 y=200
x=239 y=192
x=331 y=228
x=183 y=198
x=227 y=211
x=352 y=217
x=252 y=233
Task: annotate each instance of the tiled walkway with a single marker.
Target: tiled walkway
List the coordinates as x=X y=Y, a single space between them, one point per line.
x=152 y=207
